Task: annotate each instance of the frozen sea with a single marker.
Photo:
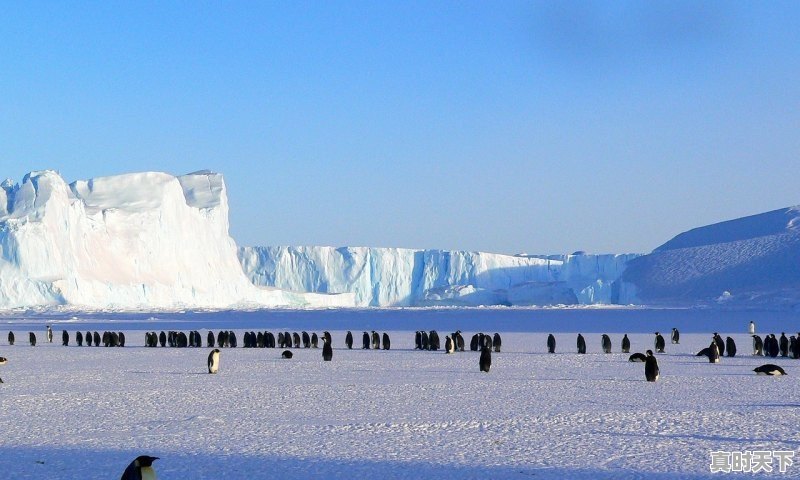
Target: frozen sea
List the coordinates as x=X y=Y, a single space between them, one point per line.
x=86 y=412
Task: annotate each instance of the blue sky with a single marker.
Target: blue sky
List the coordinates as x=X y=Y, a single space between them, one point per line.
x=539 y=127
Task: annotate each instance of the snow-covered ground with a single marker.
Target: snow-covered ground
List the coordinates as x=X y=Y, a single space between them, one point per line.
x=86 y=412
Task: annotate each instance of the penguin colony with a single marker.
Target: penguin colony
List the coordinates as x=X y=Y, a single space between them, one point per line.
x=770 y=346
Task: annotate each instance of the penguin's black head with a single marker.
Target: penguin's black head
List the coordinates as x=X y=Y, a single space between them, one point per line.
x=657 y=333
x=145 y=460
x=649 y=353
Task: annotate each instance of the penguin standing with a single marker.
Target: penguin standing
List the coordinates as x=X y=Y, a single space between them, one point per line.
x=473 y=344
x=606 y=343
x=213 y=361
x=752 y=328
x=210 y=339
x=376 y=340
x=79 y=338
x=49 y=334
x=497 y=342
x=730 y=347
x=348 y=340
x=773 y=346
x=449 y=345
x=327 y=350
x=433 y=340
x=659 y=343
x=486 y=359
x=713 y=356
x=306 y=340
x=3 y=361
x=365 y=341
x=140 y=469
x=551 y=344
x=784 y=345
x=626 y=344
x=11 y=338
x=676 y=336
x=651 y=371
x=758 y=346
x=314 y=340
x=581 y=344
x=65 y=338
x=386 y=342
x=417 y=340
x=720 y=343
x=32 y=338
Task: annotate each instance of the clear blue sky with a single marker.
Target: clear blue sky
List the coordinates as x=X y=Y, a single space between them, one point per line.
x=539 y=127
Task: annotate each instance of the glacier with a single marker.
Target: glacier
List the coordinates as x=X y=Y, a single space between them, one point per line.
x=134 y=241
x=421 y=278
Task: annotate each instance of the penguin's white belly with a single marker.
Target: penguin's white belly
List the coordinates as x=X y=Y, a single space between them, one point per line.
x=148 y=473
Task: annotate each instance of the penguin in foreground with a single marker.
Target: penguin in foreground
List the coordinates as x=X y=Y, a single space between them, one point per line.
x=449 y=345
x=551 y=344
x=720 y=343
x=714 y=356
x=769 y=369
x=3 y=361
x=651 y=372
x=659 y=343
x=486 y=359
x=327 y=350
x=213 y=361
x=730 y=347
x=676 y=336
x=140 y=469
x=286 y=354
x=626 y=344
x=637 y=357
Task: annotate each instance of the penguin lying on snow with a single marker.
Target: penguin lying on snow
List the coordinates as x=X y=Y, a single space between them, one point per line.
x=286 y=354
x=769 y=369
x=140 y=469
x=637 y=357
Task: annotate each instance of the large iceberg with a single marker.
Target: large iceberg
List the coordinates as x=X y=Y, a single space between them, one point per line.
x=407 y=277
x=135 y=241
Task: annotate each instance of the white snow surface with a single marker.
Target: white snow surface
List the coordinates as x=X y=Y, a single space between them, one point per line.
x=86 y=412
x=136 y=241
x=409 y=277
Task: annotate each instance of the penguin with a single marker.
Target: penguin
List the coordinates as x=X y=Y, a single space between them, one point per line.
x=659 y=343
x=327 y=335
x=473 y=344
x=581 y=344
x=114 y=339
x=232 y=339
x=213 y=361
x=637 y=357
x=551 y=344
x=49 y=334
x=752 y=328
x=796 y=348
x=365 y=341
x=417 y=340
x=3 y=361
x=730 y=347
x=314 y=340
x=286 y=354
x=626 y=344
x=676 y=336
x=651 y=371
x=210 y=339
x=106 y=339
x=606 y=343
x=720 y=343
x=425 y=341
x=88 y=338
x=162 y=338
x=386 y=342
x=487 y=342
x=784 y=345
x=459 y=341
x=64 y=338
x=758 y=345
x=182 y=341
x=140 y=469
x=32 y=338
x=497 y=342
x=449 y=346
x=773 y=346
x=287 y=339
x=769 y=369
x=306 y=340
x=376 y=340
x=79 y=338
x=296 y=339
x=706 y=352
x=348 y=340
x=485 y=362
x=121 y=339
x=714 y=356
x=11 y=338
x=327 y=350
x=433 y=341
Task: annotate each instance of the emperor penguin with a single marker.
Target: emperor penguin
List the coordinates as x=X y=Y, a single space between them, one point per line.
x=140 y=469
x=417 y=340
x=784 y=345
x=676 y=336
x=365 y=341
x=581 y=344
x=720 y=343
x=296 y=339
x=79 y=338
x=651 y=372
x=730 y=347
x=386 y=341
x=286 y=354
x=213 y=361
x=758 y=346
x=162 y=338
x=485 y=362
x=637 y=357
x=348 y=340
x=473 y=343
x=498 y=342
x=32 y=338
x=551 y=344
x=424 y=340
x=449 y=345
x=327 y=336
x=65 y=338
x=49 y=334
x=11 y=338
x=306 y=340
x=659 y=343
x=314 y=340
x=3 y=361
x=606 y=343
x=88 y=338
x=327 y=350
x=713 y=357
x=626 y=344
x=210 y=339
x=769 y=369
x=433 y=340
x=376 y=340
x=752 y=328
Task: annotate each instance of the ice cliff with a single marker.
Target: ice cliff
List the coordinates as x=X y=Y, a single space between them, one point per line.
x=406 y=277
x=135 y=241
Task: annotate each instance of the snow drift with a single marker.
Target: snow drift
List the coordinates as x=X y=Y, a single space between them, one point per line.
x=407 y=277
x=141 y=240
x=749 y=261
